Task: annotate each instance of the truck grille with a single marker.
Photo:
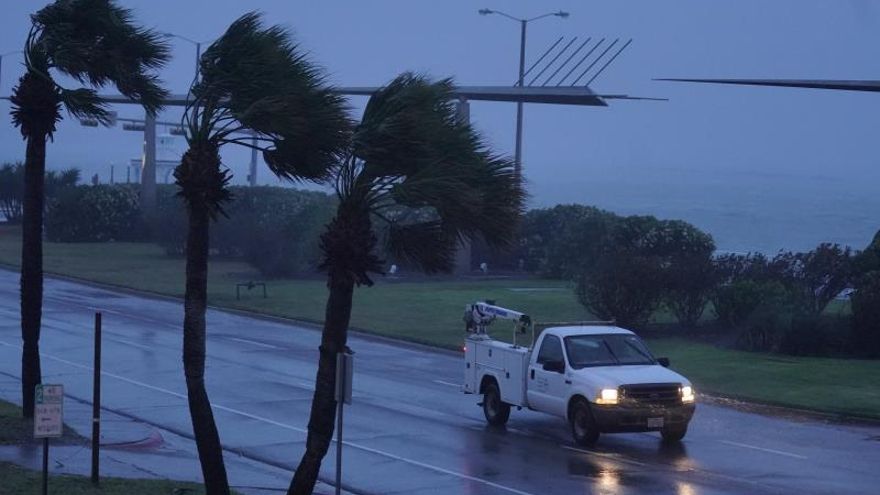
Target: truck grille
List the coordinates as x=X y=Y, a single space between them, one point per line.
x=653 y=393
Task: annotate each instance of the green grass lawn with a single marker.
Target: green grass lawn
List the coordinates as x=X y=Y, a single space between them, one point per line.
x=17 y=480
x=837 y=386
x=430 y=312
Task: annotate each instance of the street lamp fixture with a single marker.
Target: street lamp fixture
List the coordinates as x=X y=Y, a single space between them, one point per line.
x=522 y=66
x=197 y=44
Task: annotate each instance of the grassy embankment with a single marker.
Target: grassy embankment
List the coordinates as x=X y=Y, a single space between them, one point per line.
x=17 y=480
x=430 y=312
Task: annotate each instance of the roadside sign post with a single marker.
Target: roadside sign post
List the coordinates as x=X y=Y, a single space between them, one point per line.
x=96 y=403
x=344 y=373
x=48 y=420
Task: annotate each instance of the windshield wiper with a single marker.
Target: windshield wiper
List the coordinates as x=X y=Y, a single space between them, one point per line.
x=649 y=358
x=616 y=361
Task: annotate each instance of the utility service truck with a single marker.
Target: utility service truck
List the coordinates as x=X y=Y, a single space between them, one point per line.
x=597 y=376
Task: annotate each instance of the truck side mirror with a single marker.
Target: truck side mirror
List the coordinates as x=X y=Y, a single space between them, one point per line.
x=555 y=366
x=663 y=362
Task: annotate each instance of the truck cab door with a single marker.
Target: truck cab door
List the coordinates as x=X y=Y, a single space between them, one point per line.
x=547 y=381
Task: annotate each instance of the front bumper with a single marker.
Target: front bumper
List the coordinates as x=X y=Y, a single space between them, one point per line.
x=634 y=417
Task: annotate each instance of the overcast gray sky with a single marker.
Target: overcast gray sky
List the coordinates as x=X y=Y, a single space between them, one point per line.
x=704 y=133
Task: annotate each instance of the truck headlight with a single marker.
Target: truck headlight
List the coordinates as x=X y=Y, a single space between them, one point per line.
x=687 y=394
x=607 y=396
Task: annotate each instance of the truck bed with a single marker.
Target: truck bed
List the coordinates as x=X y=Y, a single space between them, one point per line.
x=506 y=363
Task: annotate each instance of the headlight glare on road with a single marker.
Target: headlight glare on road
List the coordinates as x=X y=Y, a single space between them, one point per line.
x=687 y=394
x=607 y=396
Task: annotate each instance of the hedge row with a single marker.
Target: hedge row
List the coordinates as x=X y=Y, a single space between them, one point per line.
x=275 y=229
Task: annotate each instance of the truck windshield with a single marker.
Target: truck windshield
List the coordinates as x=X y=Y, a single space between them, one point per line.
x=606 y=350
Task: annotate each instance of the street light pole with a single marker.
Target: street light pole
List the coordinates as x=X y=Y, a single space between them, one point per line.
x=520 y=82
x=517 y=166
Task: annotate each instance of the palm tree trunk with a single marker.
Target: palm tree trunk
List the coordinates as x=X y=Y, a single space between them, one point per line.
x=194 y=337
x=32 y=269
x=321 y=420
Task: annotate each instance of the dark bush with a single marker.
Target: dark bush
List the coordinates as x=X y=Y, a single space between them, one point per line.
x=766 y=311
x=816 y=277
x=866 y=315
x=556 y=242
x=688 y=273
x=640 y=261
x=815 y=335
x=12 y=188
x=622 y=286
x=94 y=214
x=273 y=228
x=735 y=302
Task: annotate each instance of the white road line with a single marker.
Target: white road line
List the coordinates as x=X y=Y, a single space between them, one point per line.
x=254 y=342
x=450 y=384
x=292 y=428
x=762 y=449
x=606 y=456
x=123 y=341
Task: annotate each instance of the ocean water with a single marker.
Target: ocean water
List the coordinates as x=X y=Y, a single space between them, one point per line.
x=743 y=211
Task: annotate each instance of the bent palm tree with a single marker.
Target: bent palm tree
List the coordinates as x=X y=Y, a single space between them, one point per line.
x=252 y=81
x=428 y=180
x=93 y=42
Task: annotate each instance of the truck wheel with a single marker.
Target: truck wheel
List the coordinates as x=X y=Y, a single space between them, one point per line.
x=673 y=433
x=495 y=410
x=583 y=428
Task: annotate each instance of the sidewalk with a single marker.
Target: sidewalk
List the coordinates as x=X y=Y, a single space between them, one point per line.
x=132 y=449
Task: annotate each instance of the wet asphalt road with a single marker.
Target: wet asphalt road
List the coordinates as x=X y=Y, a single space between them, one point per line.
x=410 y=430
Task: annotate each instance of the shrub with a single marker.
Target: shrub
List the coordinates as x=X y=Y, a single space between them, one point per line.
x=94 y=214
x=687 y=269
x=275 y=229
x=621 y=286
x=556 y=242
x=815 y=335
x=735 y=302
x=638 y=262
x=12 y=188
x=866 y=315
x=766 y=311
x=815 y=277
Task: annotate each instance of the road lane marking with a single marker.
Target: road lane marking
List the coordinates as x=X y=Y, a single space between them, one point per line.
x=762 y=449
x=450 y=384
x=254 y=417
x=133 y=344
x=612 y=457
x=254 y=342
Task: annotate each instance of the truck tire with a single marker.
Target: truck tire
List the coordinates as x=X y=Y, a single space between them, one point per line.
x=583 y=427
x=496 y=411
x=673 y=433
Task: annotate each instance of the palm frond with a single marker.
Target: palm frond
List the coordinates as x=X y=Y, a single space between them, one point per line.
x=96 y=42
x=85 y=104
x=410 y=155
x=426 y=245
x=408 y=125
x=257 y=77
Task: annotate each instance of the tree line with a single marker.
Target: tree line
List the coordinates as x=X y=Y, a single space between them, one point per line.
x=630 y=269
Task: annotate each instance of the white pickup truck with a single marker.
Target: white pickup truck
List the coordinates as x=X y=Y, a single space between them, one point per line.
x=599 y=377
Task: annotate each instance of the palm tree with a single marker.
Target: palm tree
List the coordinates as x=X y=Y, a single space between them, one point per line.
x=96 y=43
x=414 y=182
x=253 y=85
